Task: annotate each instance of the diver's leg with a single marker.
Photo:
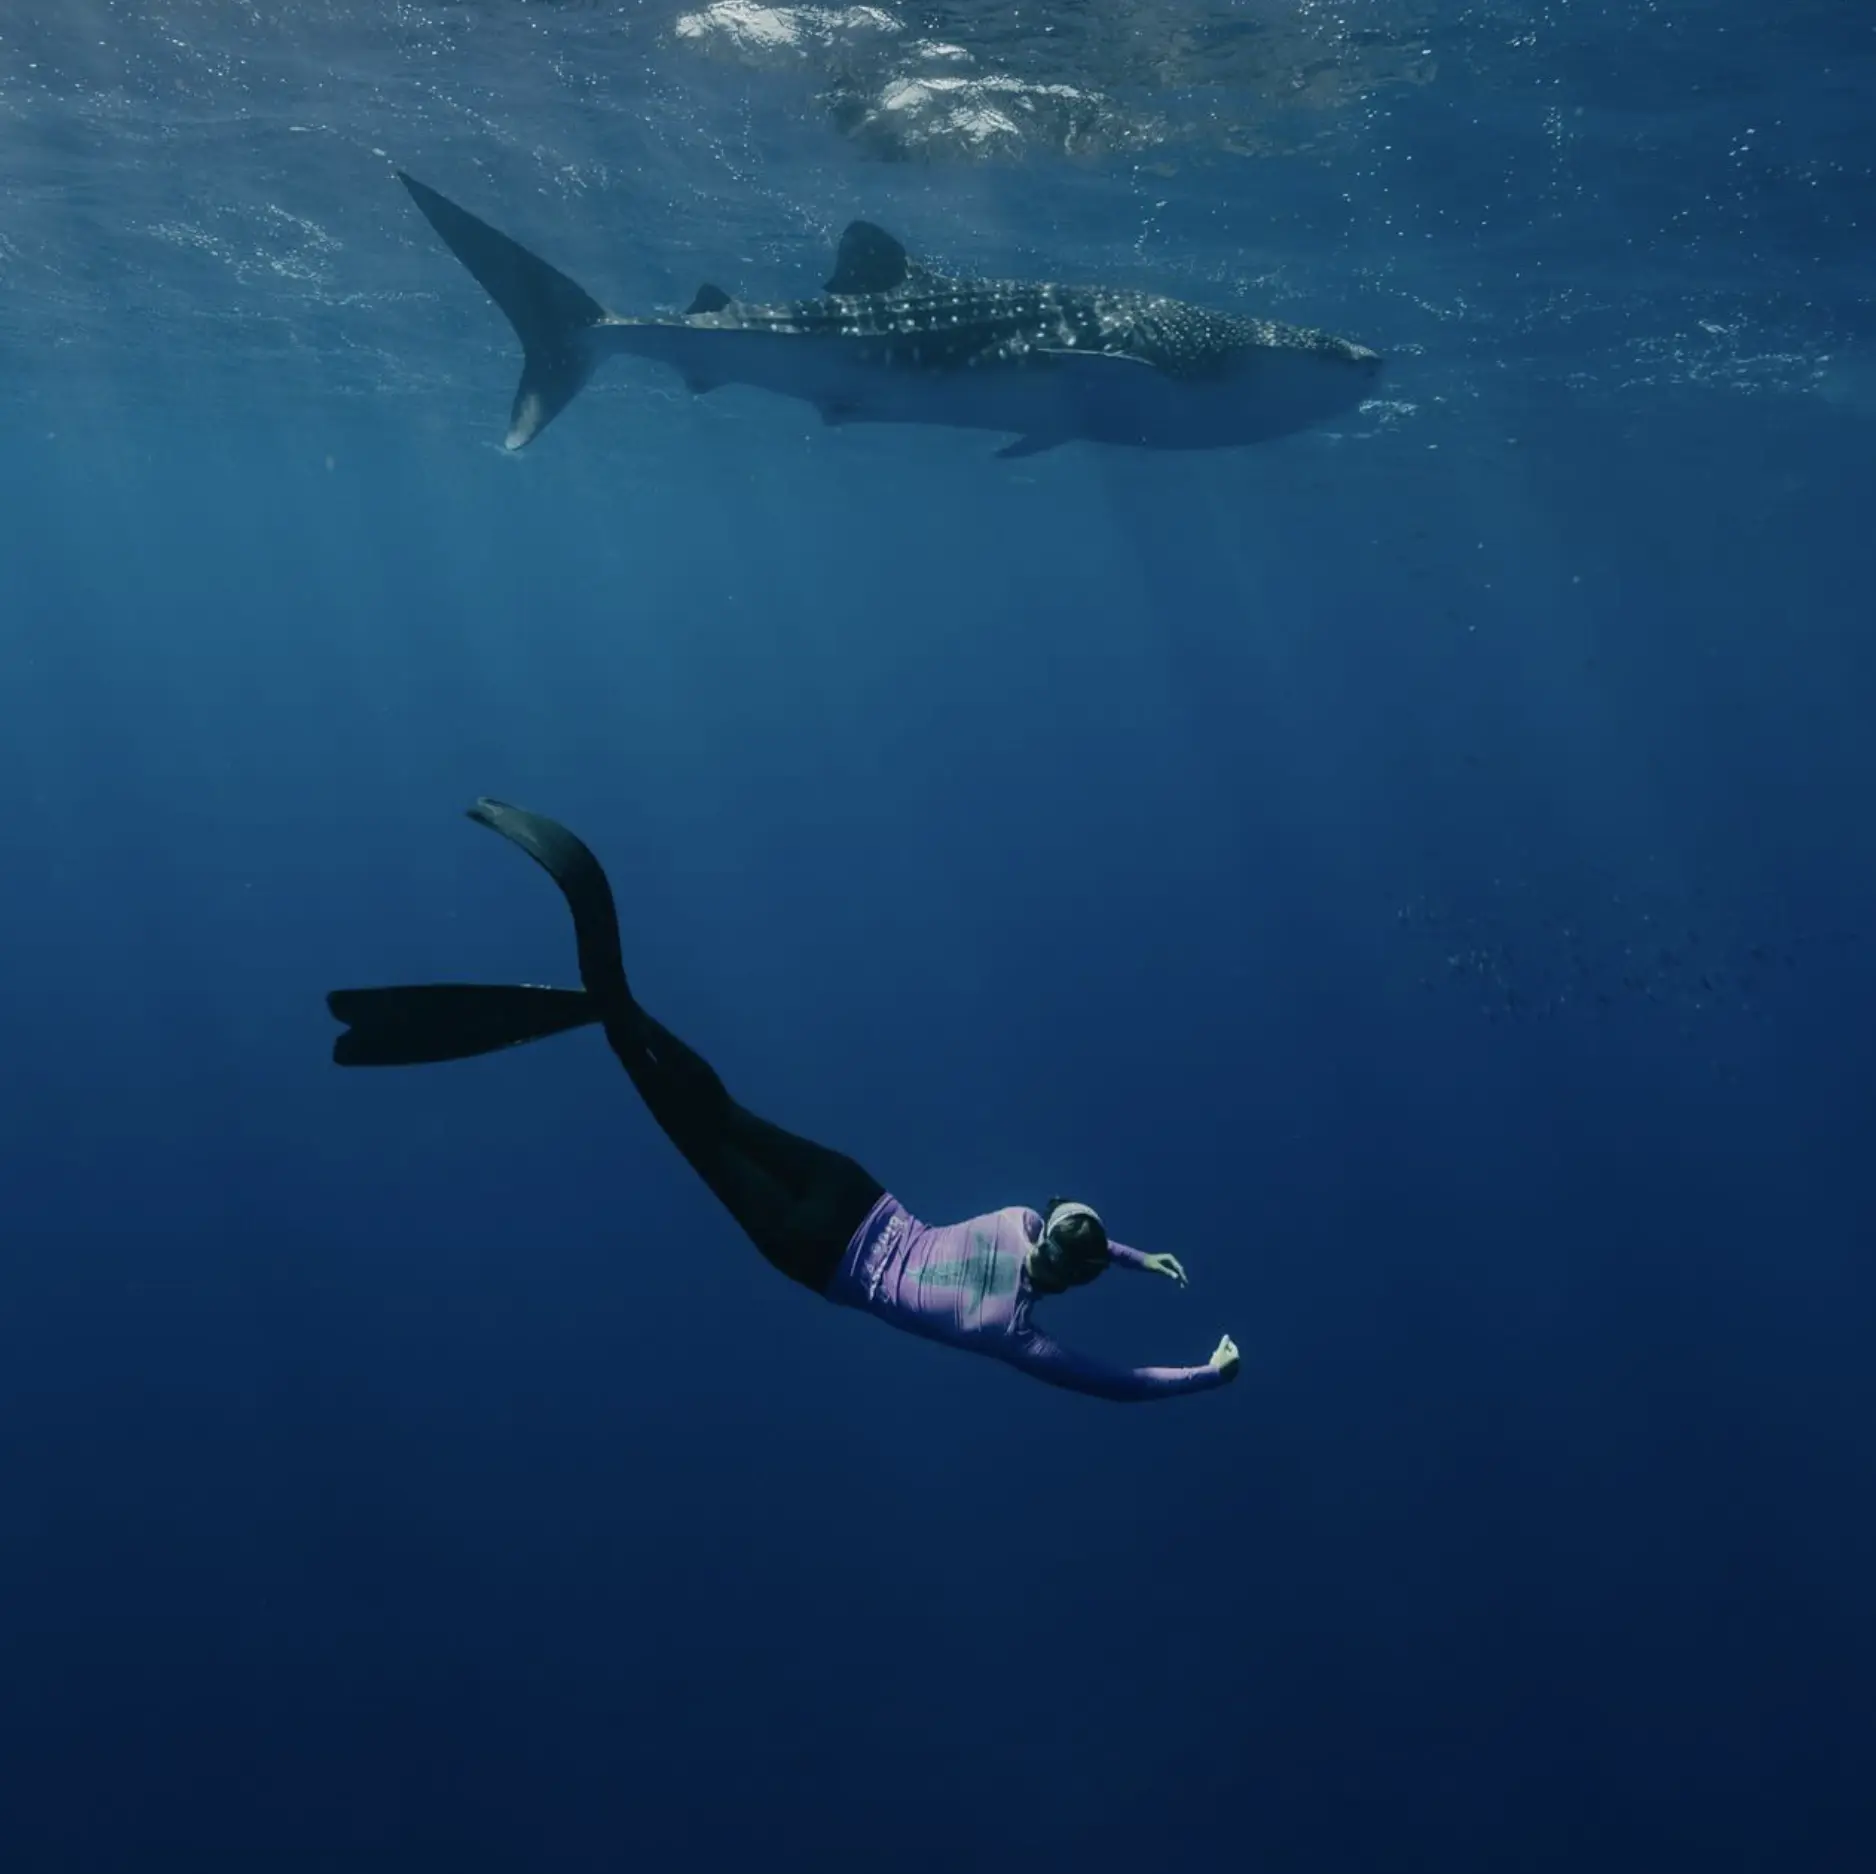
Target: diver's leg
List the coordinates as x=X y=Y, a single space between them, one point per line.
x=798 y=1202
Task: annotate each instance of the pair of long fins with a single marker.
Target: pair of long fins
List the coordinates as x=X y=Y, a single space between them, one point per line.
x=416 y=1023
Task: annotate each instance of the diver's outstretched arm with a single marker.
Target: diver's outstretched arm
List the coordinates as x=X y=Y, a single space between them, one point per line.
x=1078 y=1372
x=1127 y=1258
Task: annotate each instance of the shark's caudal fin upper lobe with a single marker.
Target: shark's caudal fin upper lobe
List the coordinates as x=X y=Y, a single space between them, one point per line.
x=551 y=314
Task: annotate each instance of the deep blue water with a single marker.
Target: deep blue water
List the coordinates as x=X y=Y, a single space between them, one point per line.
x=1420 y=873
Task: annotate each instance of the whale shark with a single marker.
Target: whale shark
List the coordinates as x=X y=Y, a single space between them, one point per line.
x=894 y=340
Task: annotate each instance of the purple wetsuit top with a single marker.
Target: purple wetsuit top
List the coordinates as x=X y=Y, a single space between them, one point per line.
x=967 y=1284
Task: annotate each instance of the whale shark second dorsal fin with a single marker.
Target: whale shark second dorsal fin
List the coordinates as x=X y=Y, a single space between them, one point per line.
x=709 y=299
x=869 y=260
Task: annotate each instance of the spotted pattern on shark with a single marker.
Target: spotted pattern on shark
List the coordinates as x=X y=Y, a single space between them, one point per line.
x=893 y=340
x=974 y=323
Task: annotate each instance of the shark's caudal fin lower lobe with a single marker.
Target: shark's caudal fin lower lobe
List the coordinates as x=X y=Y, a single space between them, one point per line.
x=550 y=313
x=406 y=1026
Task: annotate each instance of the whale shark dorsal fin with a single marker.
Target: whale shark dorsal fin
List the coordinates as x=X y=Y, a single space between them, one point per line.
x=869 y=260
x=709 y=299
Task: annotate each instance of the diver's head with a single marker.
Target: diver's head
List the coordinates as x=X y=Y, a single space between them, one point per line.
x=1072 y=1248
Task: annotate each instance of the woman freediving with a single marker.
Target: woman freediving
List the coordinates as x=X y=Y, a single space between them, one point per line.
x=812 y=1212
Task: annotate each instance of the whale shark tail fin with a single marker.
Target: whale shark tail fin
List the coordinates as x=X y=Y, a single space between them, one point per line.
x=405 y=1026
x=551 y=314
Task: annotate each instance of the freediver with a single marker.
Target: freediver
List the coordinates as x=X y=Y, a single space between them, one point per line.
x=814 y=1213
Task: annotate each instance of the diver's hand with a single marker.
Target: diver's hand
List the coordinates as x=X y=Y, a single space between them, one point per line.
x=1167 y=1265
x=1225 y=1358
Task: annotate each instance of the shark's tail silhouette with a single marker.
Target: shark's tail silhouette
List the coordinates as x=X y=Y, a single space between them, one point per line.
x=414 y=1023
x=551 y=314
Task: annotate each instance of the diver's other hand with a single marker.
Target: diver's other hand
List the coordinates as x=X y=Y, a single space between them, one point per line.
x=1224 y=1360
x=1167 y=1265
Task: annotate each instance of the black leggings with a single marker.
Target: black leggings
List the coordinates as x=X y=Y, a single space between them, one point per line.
x=798 y=1202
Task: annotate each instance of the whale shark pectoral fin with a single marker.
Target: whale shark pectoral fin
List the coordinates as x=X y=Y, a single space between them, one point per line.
x=1027 y=445
x=700 y=386
x=869 y=260
x=709 y=299
x=837 y=410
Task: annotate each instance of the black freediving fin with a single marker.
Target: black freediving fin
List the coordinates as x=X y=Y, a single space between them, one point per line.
x=416 y=1023
x=404 y=1025
x=569 y=862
